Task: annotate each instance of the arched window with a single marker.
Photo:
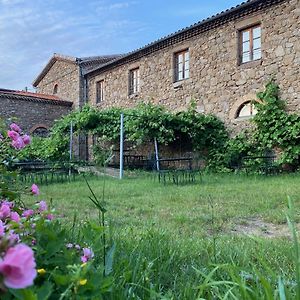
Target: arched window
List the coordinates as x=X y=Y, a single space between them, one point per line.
x=55 y=89
x=246 y=110
x=40 y=132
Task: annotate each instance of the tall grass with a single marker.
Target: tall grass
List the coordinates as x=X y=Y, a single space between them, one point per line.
x=175 y=243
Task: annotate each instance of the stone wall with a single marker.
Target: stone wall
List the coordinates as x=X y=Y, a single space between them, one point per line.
x=32 y=114
x=217 y=83
x=66 y=75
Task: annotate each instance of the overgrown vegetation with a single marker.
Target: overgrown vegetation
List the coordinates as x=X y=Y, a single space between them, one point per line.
x=274 y=129
x=274 y=132
x=204 y=133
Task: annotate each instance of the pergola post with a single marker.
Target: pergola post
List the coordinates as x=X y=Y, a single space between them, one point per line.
x=121 y=145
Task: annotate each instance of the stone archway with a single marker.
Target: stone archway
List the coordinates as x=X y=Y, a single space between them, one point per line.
x=40 y=130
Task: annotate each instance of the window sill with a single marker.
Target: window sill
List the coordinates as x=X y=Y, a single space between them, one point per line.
x=135 y=95
x=241 y=119
x=180 y=83
x=251 y=64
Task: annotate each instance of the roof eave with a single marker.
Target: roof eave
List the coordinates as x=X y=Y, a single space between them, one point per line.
x=206 y=24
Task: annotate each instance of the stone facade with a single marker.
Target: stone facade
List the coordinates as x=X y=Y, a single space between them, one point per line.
x=31 y=111
x=65 y=75
x=217 y=82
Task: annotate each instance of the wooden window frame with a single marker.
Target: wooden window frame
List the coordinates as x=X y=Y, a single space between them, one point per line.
x=100 y=91
x=184 y=69
x=249 y=29
x=134 y=81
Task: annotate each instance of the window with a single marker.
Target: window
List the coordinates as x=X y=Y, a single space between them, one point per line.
x=55 y=89
x=41 y=132
x=182 y=65
x=134 y=81
x=246 y=110
x=99 y=91
x=250 y=41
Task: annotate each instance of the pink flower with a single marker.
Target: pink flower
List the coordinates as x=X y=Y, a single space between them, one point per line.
x=15 y=127
x=43 y=206
x=4 y=211
x=13 y=135
x=26 y=139
x=18 y=267
x=33 y=242
x=9 y=203
x=18 y=143
x=13 y=237
x=27 y=213
x=35 y=189
x=50 y=217
x=87 y=254
x=2 y=228
x=15 y=217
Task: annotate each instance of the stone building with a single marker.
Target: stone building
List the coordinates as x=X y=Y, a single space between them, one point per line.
x=35 y=113
x=65 y=76
x=220 y=63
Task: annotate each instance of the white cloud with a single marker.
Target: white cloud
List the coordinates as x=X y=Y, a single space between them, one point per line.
x=31 y=31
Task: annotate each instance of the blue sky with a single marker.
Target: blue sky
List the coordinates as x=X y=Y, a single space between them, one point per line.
x=32 y=30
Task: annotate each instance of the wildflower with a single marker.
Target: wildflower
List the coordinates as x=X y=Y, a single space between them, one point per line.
x=87 y=255
x=27 y=213
x=33 y=242
x=82 y=282
x=13 y=135
x=15 y=217
x=43 y=206
x=4 y=211
x=18 y=267
x=18 y=143
x=26 y=139
x=69 y=246
x=41 y=271
x=35 y=189
x=15 y=127
x=50 y=217
x=77 y=247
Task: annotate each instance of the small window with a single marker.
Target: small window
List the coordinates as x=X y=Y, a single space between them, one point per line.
x=182 y=65
x=55 y=89
x=99 y=91
x=247 y=110
x=134 y=81
x=250 y=44
x=41 y=132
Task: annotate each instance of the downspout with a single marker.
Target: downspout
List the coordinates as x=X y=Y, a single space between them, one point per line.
x=83 y=149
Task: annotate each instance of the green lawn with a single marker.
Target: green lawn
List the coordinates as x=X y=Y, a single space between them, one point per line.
x=142 y=201
x=169 y=232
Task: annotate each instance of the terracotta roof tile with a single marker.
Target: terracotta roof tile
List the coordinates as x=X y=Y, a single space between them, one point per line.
x=23 y=95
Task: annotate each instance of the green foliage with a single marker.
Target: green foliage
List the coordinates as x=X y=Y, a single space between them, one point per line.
x=276 y=128
x=142 y=124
